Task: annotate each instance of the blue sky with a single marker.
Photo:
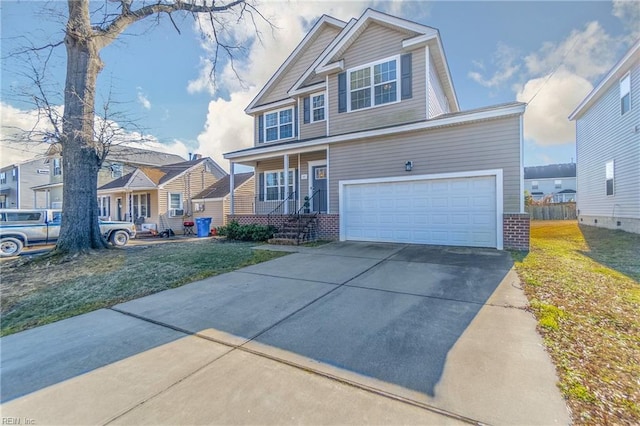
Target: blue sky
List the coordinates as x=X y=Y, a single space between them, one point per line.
x=547 y=53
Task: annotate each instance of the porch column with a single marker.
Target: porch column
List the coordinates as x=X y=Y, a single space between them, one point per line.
x=232 y=195
x=286 y=183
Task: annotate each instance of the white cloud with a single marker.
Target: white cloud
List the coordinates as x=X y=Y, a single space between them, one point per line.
x=14 y=145
x=628 y=11
x=556 y=96
x=15 y=148
x=143 y=100
x=505 y=58
x=588 y=53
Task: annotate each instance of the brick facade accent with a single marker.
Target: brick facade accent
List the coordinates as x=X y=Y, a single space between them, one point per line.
x=515 y=227
x=328 y=224
x=516 y=231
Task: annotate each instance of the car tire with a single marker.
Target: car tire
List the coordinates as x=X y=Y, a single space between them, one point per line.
x=10 y=246
x=119 y=238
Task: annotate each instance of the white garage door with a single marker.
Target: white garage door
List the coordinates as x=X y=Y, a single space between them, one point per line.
x=454 y=211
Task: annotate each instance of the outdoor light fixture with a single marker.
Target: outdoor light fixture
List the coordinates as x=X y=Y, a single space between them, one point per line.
x=408 y=166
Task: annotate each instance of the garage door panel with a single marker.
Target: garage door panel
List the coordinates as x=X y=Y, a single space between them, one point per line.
x=459 y=211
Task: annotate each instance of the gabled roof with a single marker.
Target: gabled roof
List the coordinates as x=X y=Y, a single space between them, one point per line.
x=550 y=171
x=220 y=189
x=423 y=35
x=324 y=20
x=615 y=74
x=311 y=70
x=159 y=176
x=128 y=154
x=137 y=179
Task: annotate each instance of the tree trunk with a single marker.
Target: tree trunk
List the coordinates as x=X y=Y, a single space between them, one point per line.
x=79 y=229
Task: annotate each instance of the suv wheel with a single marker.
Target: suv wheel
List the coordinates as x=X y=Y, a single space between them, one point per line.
x=10 y=246
x=119 y=238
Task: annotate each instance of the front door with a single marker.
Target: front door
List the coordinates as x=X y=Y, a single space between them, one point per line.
x=319 y=188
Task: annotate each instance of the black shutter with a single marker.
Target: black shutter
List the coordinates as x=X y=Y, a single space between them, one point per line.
x=297 y=183
x=307 y=110
x=148 y=205
x=260 y=128
x=406 y=83
x=342 y=92
x=295 y=121
x=261 y=187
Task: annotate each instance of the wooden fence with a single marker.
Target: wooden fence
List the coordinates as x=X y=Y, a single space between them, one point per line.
x=556 y=211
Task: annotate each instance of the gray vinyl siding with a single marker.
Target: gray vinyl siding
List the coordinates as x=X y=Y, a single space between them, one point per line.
x=20 y=195
x=479 y=146
x=278 y=91
x=603 y=135
x=311 y=130
x=437 y=100
x=376 y=43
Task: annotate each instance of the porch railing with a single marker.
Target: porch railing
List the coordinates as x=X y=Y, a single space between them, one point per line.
x=315 y=203
x=279 y=210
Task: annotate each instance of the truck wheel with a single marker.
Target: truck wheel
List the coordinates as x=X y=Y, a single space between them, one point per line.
x=10 y=246
x=119 y=238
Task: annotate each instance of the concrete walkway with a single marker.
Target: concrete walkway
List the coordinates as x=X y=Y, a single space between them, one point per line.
x=346 y=333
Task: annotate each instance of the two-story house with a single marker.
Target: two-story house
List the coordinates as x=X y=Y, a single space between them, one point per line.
x=553 y=182
x=362 y=123
x=16 y=181
x=120 y=161
x=608 y=148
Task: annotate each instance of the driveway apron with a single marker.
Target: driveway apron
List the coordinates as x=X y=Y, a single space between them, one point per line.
x=434 y=334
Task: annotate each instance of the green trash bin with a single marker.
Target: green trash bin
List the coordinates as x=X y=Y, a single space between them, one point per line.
x=203 y=225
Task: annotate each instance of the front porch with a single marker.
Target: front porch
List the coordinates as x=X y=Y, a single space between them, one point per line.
x=291 y=195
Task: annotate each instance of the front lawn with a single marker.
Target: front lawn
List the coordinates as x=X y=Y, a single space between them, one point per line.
x=41 y=291
x=582 y=284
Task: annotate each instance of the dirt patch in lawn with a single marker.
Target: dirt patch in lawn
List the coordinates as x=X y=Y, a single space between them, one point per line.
x=40 y=291
x=582 y=283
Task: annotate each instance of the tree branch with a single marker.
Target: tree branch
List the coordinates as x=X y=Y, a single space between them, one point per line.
x=128 y=16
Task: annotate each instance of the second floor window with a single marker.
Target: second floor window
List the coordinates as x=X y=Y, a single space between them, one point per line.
x=558 y=183
x=14 y=174
x=278 y=125
x=534 y=184
x=317 y=107
x=116 y=170
x=3 y=177
x=625 y=94
x=373 y=85
x=57 y=167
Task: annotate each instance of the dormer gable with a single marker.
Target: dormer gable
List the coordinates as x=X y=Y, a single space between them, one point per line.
x=417 y=36
x=275 y=90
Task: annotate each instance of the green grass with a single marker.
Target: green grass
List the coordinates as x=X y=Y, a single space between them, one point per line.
x=582 y=283
x=42 y=291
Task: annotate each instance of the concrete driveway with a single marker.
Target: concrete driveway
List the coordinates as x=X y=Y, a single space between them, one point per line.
x=342 y=333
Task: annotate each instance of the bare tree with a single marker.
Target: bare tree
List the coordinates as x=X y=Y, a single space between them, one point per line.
x=82 y=151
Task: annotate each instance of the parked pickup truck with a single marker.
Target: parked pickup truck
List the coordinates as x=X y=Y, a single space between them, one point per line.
x=25 y=228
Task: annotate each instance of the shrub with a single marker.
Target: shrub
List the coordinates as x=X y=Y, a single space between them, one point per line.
x=252 y=232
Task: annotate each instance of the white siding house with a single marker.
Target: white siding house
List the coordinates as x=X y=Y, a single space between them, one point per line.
x=608 y=148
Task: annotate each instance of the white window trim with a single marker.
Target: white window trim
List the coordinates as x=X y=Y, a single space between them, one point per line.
x=627 y=92
x=613 y=178
x=181 y=201
x=292 y=183
x=372 y=86
x=104 y=202
x=277 y=112
x=3 y=178
x=311 y=108
x=57 y=169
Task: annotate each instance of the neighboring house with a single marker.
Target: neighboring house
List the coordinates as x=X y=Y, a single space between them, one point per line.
x=608 y=148
x=16 y=181
x=363 y=119
x=215 y=201
x=553 y=182
x=120 y=161
x=158 y=197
